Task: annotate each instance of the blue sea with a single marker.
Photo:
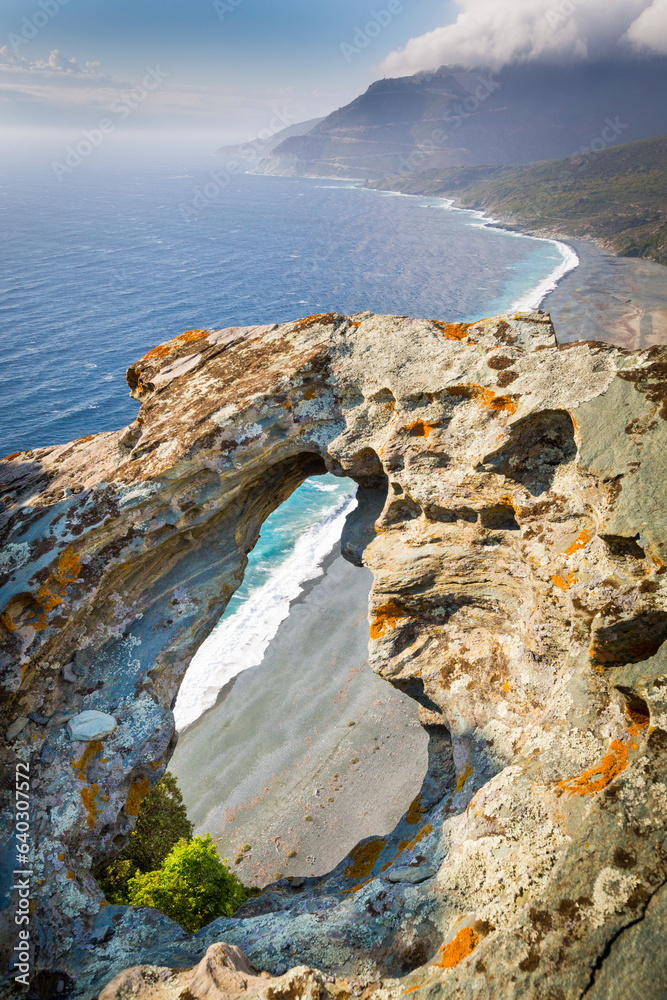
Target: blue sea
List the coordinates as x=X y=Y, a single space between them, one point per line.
x=140 y=243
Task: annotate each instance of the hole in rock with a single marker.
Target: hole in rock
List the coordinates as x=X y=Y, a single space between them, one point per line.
x=629 y=641
x=288 y=742
x=538 y=445
x=622 y=547
x=637 y=709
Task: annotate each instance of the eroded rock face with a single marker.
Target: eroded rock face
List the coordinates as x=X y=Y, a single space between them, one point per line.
x=512 y=509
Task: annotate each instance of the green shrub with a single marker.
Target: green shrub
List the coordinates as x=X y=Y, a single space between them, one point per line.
x=192 y=885
x=161 y=823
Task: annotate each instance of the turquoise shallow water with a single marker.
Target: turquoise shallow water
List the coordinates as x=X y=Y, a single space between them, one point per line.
x=102 y=266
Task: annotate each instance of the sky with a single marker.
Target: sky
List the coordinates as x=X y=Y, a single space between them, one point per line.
x=235 y=68
x=232 y=67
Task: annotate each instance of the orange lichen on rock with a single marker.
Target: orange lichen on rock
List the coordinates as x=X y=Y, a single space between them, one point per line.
x=52 y=591
x=162 y=350
x=460 y=784
x=415 y=812
x=386 y=616
x=580 y=543
x=8 y=458
x=420 y=429
x=486 y=397
x=138 y=791
x=598 y=777
x=462 y=945
x=79 y=766
x=564 y=584
x=407 y=845
x=452 y=331
x=363 y=858
x=89 y=796
x=325 y=318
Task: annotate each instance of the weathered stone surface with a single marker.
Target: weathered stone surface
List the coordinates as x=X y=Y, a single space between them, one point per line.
x=512 y=510
x=90 y=725
x=223 y=974
x=16 y=727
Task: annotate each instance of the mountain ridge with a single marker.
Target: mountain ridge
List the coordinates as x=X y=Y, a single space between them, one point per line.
x=455 y=118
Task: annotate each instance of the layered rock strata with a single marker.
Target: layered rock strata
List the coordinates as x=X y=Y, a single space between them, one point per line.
x=512 y=510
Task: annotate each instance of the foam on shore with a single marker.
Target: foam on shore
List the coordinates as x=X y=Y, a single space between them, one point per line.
x=241 y=639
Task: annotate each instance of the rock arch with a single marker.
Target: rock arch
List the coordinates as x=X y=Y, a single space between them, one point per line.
x=121 y=551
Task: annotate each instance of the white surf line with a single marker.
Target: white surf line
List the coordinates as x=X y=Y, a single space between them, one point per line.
x=533 y=298
x=240 y=641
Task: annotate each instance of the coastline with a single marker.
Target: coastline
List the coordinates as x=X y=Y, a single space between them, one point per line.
x=595 y=294
x=306 y=760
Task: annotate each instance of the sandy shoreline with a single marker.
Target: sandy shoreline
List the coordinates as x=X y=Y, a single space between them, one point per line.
x=621 y=300
x=277 y=746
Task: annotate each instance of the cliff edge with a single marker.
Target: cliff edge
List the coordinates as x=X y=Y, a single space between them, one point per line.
x=512 y=510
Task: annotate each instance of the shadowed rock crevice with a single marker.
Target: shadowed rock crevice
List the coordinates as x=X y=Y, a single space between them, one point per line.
x=537 y=446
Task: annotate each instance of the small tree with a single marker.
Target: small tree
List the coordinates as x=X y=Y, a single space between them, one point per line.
x=192 y=885
x=161 y=823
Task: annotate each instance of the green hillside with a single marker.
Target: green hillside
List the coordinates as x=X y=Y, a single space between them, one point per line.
x=617 y=196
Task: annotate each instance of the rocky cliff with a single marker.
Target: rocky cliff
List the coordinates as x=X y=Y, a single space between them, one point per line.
x=512 y=510
x=453 y=118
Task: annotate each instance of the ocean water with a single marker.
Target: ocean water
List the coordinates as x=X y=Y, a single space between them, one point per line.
x=137 y=245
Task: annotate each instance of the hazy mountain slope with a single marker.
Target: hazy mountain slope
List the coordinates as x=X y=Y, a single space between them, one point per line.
x=254 y=150
x=458 y=118
x=617 y=196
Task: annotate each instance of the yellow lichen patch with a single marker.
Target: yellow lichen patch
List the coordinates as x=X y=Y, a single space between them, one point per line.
x=506 y=686
x=79 y=766
x=52 y=591
x=138 y=791
x=486 y=397
x=638 y=719
x=325 y=318
x=564 y=584
x=89 y=795
x=310 y=394
x=363 y=858
x=503 y=403
x=407 y=845
x=162 y=350
x=6 y=620
x=452 y=331
x=581 y=542
x=598 y=777
x=419 y=428
x=460 y=784
x=386 y=616
x=459 y=948
x=415 y=812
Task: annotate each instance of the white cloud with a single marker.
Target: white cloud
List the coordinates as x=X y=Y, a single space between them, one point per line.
x=489 y=34
x=649 y=31
x=57 y=63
